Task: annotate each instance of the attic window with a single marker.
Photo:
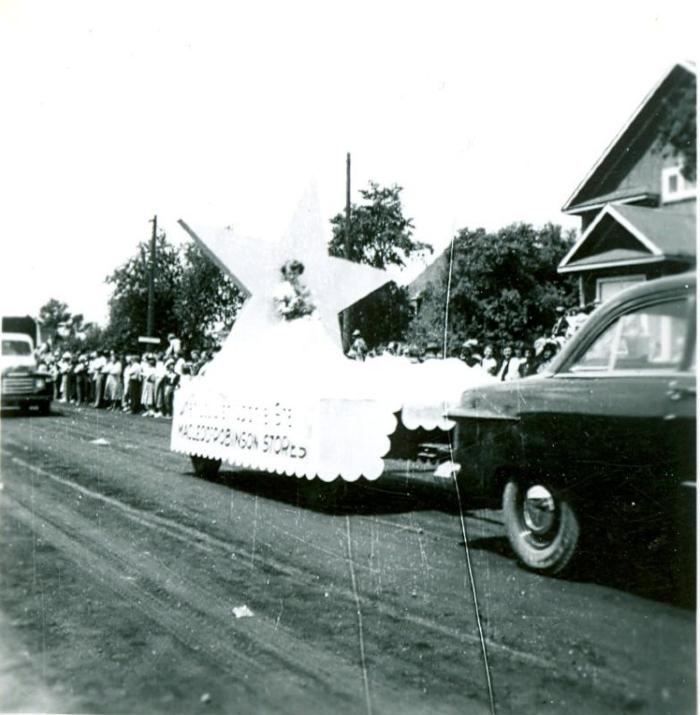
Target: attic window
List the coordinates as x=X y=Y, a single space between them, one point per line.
x=674 y=187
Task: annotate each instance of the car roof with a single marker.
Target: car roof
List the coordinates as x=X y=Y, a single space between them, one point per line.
x=647 y=289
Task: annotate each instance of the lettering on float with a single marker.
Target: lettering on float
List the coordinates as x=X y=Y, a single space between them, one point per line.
x=264 y=428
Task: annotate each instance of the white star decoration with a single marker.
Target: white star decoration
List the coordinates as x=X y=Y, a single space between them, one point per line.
x=255 y=264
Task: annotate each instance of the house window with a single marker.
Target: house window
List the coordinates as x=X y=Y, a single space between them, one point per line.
x=674 y=186
x=606 y=288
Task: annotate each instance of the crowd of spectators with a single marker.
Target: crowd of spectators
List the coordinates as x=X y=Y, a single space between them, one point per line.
x=505 y=360
x=142 y=384
x=145 y=383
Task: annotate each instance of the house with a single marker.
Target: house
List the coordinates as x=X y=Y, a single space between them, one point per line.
x=637 y=209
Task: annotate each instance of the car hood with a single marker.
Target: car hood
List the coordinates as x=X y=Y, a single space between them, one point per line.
x=502 y=401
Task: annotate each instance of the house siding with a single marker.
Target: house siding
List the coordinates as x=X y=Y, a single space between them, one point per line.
x=631 y=169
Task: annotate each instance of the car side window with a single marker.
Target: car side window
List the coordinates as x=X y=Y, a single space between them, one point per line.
x=650 y=338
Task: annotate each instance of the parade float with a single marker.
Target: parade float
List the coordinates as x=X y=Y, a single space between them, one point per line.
x=281 y=396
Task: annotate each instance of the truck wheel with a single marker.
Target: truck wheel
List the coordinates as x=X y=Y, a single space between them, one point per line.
x=205 y=467
x=44 y=408
x=542 y=525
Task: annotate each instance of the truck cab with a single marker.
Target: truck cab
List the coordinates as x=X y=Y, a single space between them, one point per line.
x=23 y=385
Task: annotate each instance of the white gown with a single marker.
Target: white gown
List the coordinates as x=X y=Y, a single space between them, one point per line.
x=293 y=383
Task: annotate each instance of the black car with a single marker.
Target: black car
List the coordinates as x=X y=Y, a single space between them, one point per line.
x=605 y=436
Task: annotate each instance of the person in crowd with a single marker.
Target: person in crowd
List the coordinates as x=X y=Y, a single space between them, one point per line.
x=91 y=377
x=134 y=384
x=549 y=350
x=508 y=367
x=358 y=347
x=528 y=364
x=186 y=375
x=170 y=383
x=174 y=346
x=195 y=363
x=148 y=390
x=575 y=317
x=66 y=368
x=561 y=324
x=55 y=372
x=113 y=383
x=488 y=361
x=469 y=352
x=100 y=377
x=81 y=379
x=158 y=388
x=179 y=363
x=126 y=377
x=432 y=351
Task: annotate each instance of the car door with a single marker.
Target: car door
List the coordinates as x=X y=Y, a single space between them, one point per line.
x=633 y=389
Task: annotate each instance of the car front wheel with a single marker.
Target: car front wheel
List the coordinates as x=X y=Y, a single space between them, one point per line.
x=543 y=526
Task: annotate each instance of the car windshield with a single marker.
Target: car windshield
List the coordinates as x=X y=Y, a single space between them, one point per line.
x=16 y=347
x=648 y=338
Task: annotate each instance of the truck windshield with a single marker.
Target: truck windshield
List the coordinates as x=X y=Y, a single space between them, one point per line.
x=16 y=347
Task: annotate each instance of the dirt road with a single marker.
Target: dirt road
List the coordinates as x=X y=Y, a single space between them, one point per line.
x=129 y=585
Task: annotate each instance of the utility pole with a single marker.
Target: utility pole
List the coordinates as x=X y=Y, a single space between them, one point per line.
x=151 y=280
x=347 y=206
x=346 y=318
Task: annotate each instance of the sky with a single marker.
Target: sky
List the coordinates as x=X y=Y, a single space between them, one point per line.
x=221 y=113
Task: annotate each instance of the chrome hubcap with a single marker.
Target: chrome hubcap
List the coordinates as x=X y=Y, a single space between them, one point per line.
x=539 y=510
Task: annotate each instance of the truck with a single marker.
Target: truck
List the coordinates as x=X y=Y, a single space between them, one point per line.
x=23 y=385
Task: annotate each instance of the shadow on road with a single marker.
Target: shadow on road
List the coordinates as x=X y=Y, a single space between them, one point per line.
x=659 y=573
x=389 y=494
x=19 y=412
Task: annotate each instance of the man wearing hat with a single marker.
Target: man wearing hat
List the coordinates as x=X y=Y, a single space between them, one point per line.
x=469 y=353
x=358 y=349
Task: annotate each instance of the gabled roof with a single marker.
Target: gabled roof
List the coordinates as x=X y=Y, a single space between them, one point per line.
x=585 y=192
x=433 y=273
x=654 y=235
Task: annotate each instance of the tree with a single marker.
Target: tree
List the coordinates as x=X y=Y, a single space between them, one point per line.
x=380 y=236
x=677 y=131
x=504 y=286
x=52 y=314
x=384 y=315
x=128 y=306
x=207 y=300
